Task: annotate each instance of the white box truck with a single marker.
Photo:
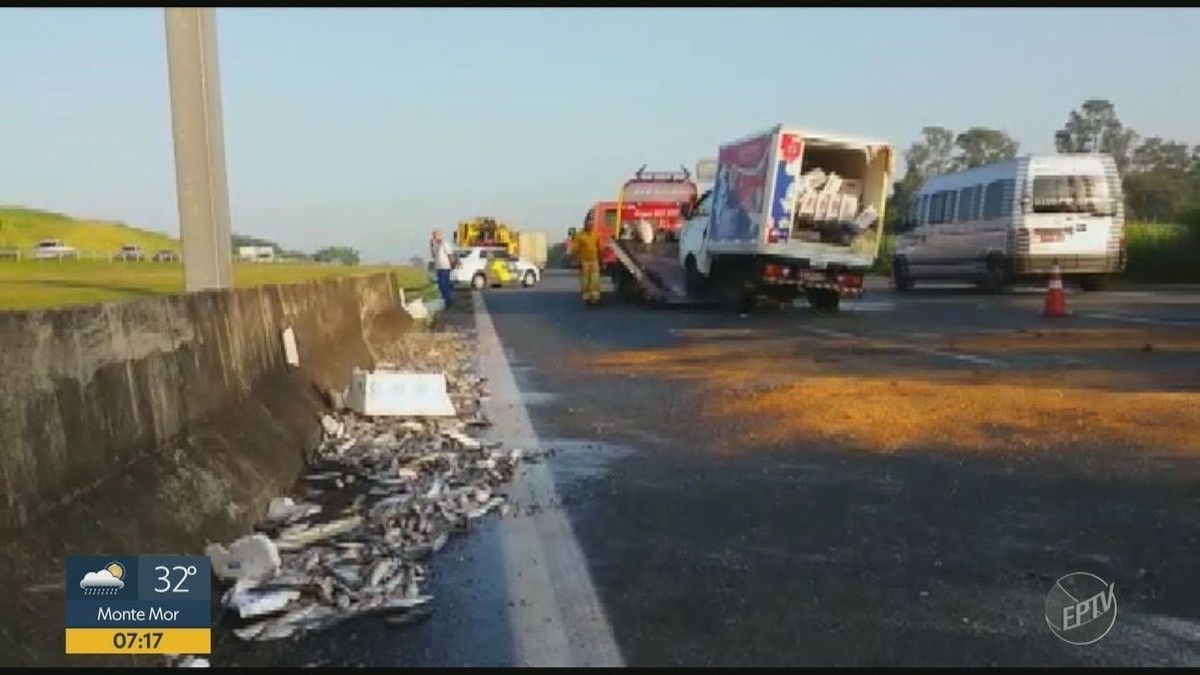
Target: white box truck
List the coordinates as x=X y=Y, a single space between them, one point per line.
x=791 y=212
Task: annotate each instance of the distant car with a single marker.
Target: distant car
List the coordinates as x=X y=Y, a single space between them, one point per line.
x=165 y=255
x=54 y=249
x=130 y=252
x=476 y=268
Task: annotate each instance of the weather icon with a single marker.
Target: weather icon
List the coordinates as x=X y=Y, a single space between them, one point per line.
x=106 y=581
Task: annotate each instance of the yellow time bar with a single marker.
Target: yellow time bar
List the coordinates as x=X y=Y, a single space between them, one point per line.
x=139 y=641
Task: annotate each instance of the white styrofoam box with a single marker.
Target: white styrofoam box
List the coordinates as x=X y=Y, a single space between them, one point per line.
x=808 y=206
x=849 y=208
x=291 y=353
x=835 y=207
x=417 y=310
x=833 y=184
x=821 y=207
x=813 y=179
x=399 y=394
x=866 y=218
x=434 y=306
x=852 y=186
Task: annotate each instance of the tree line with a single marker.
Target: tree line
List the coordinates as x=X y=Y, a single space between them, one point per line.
x=1161 y=177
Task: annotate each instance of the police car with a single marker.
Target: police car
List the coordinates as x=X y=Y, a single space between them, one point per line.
x=481 y=267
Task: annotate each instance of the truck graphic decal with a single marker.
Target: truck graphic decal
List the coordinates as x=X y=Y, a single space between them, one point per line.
x=783 y=195
x=741 y=182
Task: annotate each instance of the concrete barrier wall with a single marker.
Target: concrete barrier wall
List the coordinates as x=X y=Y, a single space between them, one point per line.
x=86 y=391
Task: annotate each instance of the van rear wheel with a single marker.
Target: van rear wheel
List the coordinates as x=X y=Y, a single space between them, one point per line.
x=900 y=276
x=995 y=277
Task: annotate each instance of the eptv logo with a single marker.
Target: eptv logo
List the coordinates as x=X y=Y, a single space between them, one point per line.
x=1081 y=608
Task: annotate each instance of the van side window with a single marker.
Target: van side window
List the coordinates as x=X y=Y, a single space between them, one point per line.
x=922 y=212
x=966 y=204
x=951 y=206
x=993 y=200
x=1007 y=190
x=936 y=202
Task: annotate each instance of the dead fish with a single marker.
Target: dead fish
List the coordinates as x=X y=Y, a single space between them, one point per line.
x=410 y=617
x=439 y=541
x=250 y=604
x=482 y=510
x=380 y=571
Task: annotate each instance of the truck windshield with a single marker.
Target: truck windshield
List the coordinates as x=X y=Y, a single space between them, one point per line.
x=1070 y=194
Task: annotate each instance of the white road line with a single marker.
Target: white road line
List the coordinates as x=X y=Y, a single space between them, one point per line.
x=928 y=351
x=1140 y=319
x=555 y=616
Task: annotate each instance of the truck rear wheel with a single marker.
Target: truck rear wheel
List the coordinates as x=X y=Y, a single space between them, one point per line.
x=1093 y=282
x=692 y=280
x=823 y=299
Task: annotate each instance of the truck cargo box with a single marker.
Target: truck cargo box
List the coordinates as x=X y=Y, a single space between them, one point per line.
x=802 y=194
x=532 y=246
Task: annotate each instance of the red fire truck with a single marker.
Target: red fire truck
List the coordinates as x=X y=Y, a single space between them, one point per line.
x=653 y=196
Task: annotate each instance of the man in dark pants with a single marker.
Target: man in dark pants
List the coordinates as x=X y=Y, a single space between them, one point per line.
x=442 y=256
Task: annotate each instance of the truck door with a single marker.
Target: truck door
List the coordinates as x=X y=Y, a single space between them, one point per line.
x=694 y=233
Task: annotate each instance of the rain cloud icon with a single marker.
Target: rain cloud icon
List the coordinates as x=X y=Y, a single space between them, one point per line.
x=106 y=581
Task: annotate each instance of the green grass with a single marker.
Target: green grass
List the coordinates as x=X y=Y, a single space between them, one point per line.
x=1162 y=253
x=31 y=284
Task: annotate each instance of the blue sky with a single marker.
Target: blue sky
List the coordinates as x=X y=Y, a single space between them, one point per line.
x=369 y=127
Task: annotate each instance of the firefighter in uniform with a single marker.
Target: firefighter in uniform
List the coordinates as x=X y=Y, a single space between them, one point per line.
x=586 y=249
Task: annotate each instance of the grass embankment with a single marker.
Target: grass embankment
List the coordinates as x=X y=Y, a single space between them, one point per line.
x=1158 y=253
x=29 y=284
x=22 y=229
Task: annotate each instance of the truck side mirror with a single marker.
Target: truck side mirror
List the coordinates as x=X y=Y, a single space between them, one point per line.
x=571 y=231
x=686 y=211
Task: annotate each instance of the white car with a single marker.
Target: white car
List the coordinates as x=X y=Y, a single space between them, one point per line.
x=479 y=267
x=53 y=249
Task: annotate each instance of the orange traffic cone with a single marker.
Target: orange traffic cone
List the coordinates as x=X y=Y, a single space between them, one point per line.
x=1056 y=300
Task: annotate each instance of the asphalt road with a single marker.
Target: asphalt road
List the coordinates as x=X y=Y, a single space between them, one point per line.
x=902 y=484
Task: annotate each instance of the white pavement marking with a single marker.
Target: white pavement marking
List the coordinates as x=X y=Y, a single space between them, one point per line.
x=556 y=617
x=928 y=351
x=1140 y=319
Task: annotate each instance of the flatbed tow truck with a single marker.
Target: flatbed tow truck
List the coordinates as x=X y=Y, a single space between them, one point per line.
x=791 y=212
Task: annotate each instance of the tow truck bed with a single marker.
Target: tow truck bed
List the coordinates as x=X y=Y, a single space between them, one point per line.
x=655 y=270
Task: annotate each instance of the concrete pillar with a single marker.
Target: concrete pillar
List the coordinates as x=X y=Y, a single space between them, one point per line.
x=199 y=148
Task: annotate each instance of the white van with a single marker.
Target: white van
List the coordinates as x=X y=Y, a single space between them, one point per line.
x=1012 y=221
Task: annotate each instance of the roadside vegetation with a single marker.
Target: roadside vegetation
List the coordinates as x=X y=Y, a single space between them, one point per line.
x=95 y=276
